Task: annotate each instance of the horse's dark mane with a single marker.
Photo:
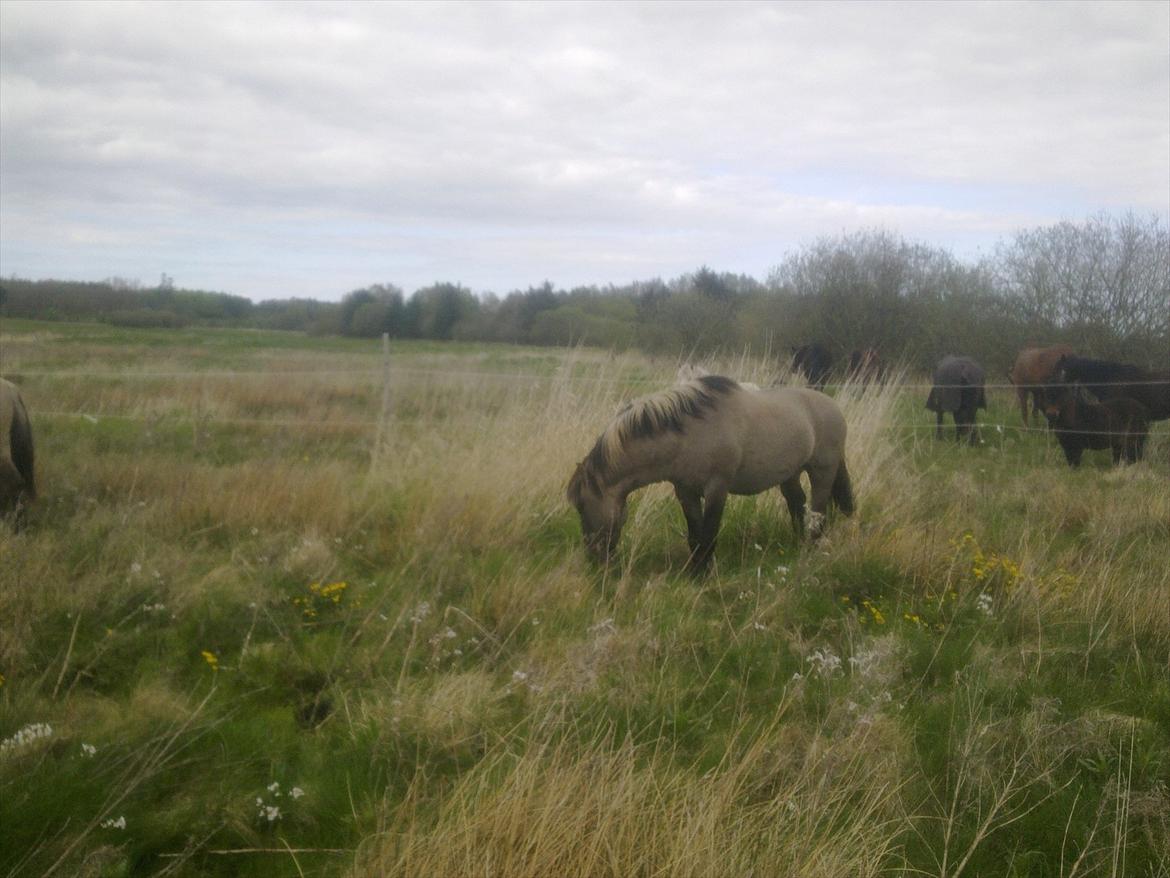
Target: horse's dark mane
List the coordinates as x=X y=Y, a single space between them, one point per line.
x=650 y=416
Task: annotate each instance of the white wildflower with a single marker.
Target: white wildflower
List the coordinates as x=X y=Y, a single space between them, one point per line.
x=88 y=750
x=605 y=626
x=824 y=662
x=28 y=735
x=983 y=604
x=119 y=823
x=296 y=792
x=421 y=612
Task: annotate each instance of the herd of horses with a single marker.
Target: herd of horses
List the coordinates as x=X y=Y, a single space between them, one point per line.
x=710 y=436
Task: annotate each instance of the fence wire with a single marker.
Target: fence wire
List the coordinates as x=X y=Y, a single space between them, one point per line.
x=375 y=373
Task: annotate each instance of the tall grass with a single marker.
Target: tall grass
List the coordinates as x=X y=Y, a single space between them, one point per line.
x=225 y=586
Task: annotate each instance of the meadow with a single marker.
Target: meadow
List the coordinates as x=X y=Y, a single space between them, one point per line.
x=276 y=613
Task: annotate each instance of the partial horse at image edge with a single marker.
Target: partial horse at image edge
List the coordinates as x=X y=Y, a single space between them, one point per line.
x=17 y=477
x=710 y=438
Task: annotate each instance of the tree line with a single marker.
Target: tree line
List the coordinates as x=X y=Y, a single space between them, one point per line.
x=1102 y=285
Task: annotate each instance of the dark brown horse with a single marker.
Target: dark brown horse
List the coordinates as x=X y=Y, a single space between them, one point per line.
x=1120 y=425
x=710 y=438
x=1033 y=369
x=17 y=482
x=865 y=365
x=813 y=361
x=1107 y=380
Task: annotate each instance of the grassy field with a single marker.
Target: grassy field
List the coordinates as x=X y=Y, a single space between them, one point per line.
x=239 y=637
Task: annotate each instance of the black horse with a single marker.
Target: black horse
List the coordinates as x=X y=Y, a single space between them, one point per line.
x=814 y=362
x=1107 y=380
x=865 y=365
x=958 y=389
x=1119 y=424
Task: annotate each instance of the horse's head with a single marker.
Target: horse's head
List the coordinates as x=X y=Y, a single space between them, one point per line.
x=1060 y=398
x=602 y=511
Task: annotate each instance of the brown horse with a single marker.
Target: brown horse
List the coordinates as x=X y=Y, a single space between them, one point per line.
x=710 y=438
x=1033 y=369
x=17 y=483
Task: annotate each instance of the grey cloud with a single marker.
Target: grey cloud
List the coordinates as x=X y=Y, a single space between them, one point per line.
x=654 y=134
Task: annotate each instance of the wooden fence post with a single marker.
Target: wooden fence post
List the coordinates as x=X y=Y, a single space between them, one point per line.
x=383 y=415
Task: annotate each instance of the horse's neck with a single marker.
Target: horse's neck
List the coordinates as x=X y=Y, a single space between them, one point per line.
x=643 y=464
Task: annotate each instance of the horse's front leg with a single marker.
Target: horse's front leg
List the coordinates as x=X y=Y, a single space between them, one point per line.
x=938 y=424
x=691 y=501
x=1022 y=396
x=714 y=499
x=793 y=493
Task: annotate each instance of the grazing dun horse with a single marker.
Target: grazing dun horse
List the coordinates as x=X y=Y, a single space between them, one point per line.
x=17 y=485
x=710 y=438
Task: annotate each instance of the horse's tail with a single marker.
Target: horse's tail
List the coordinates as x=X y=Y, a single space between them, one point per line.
x=843 y=489
x=22 y=448
x=16 y=445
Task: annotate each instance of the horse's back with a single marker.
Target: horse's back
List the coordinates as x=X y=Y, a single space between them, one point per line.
x=794 y=423
x=1035 y=365
x=951 y=376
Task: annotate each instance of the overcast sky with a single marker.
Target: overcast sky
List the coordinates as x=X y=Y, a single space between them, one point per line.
x=283 y=149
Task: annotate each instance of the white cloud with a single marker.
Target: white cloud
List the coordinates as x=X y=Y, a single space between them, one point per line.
x=235 y=145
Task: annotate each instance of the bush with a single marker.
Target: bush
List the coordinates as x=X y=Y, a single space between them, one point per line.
x=142 y=318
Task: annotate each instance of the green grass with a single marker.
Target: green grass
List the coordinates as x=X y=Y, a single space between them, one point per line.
x=971 y=677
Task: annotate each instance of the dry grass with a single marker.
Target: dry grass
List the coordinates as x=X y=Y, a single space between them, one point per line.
x=631 y=722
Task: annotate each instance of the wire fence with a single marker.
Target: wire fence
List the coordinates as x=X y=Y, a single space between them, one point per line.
x=1002 y=428
x=999 y=427
x=378 y=372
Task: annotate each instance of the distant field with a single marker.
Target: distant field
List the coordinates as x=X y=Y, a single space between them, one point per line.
x=239 y=639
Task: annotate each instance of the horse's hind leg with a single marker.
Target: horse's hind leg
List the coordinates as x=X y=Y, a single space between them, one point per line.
x=793 y=493
x=822 y=479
